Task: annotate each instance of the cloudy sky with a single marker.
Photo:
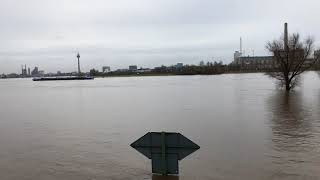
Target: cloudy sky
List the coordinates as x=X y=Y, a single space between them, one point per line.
x=148 y=33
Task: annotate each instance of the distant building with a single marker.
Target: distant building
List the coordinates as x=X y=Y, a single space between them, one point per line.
x=24 y=71
x=29 y=72
x=122 y=70
x=201 y=63
x=133 y=68
x=179 y=65
x=41 y=73
x=35 y=71
x=12 y=75
x=236 y=57
x=254 y=62
x=161 y=69
x=106 y=69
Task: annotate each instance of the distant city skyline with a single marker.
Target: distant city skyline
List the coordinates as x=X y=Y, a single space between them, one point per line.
x=48 y=33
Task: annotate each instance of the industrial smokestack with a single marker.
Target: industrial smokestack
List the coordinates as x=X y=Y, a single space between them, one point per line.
x=240 y=45
x=285 y=36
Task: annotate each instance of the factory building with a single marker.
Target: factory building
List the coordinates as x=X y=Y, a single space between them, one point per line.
x=133 y=68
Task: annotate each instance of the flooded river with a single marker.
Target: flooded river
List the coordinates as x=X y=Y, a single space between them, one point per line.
x=81 y=130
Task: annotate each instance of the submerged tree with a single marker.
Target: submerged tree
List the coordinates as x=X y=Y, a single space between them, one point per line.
x=292 y=57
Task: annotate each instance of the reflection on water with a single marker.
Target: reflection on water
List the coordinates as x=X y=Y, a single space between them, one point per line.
x=290 y=115
x=294 y=136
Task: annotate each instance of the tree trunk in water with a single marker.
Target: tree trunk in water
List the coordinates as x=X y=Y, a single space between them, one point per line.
x=288 y=87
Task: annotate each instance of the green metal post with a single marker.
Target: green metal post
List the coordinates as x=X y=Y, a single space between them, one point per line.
x=163 y=153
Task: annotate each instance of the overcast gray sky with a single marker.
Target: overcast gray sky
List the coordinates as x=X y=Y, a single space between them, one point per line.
x=148 y=33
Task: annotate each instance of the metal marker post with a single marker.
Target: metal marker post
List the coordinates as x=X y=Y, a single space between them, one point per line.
x=165 y=149
x=163 y=153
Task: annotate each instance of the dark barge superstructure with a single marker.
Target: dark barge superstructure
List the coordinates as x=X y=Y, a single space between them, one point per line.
x=63 y=78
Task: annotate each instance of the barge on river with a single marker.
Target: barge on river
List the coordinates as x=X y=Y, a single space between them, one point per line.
x=63 y=78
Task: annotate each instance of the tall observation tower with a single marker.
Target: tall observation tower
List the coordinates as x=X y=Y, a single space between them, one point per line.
x=78 y=56
x=79 y=77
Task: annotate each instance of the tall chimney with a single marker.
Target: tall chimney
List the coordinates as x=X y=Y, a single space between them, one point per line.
x=286 y=36
x=241 y=46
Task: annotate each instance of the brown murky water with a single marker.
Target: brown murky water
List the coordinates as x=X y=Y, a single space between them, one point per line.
x=81 y=130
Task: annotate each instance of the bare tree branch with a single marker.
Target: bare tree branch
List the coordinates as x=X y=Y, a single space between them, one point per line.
x=291 y=60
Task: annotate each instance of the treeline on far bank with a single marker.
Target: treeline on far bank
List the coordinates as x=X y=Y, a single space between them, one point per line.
x=207 y=69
